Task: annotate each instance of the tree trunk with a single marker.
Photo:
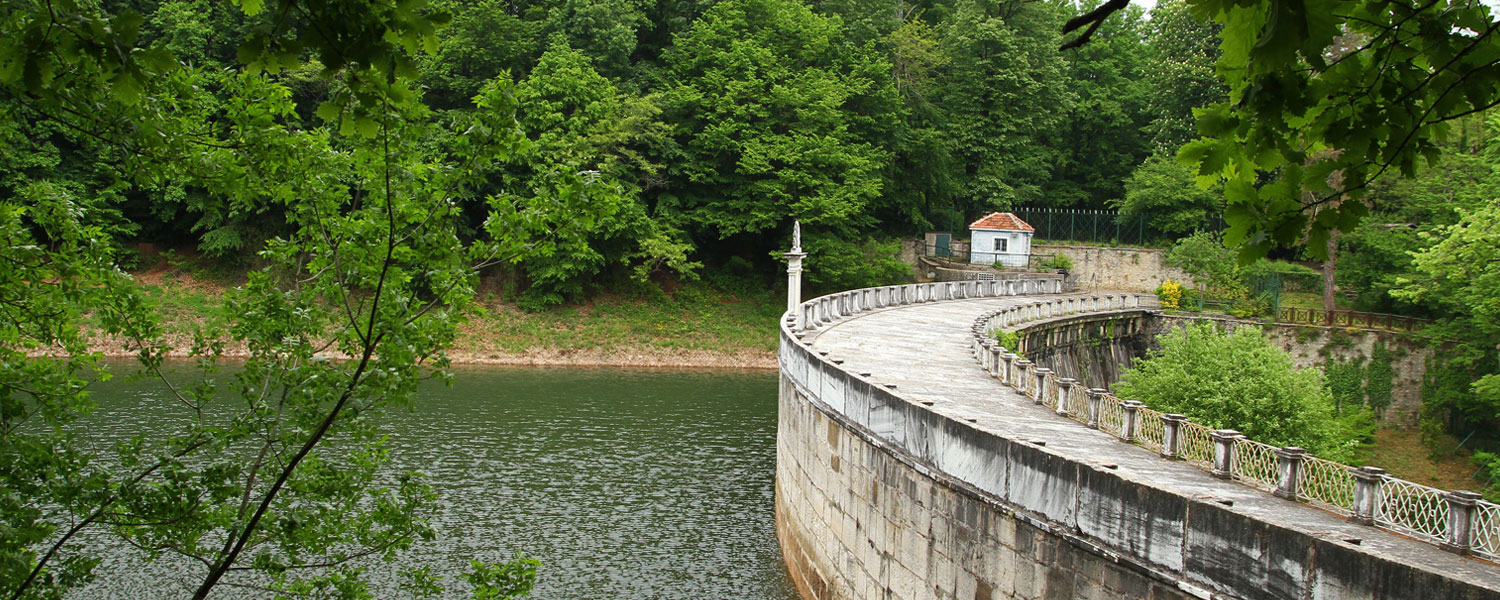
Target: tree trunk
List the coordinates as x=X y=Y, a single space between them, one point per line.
x=1328 y=268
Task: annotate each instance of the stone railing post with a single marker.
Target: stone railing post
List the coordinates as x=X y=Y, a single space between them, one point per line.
x=1040 y=373
x=995 y=352
x=1022 y=375
x=1171 y=438
x=1460 y=521
x=1287 y=467
x=1223 y=451
x=1064 y=389
x=1367 y=481
x=1131 y=425
x=1096 y=398
x=1007 y=357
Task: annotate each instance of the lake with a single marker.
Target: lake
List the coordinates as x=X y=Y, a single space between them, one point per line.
x=624 y=483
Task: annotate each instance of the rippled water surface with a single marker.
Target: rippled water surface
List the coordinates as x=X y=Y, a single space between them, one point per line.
x=625 y=484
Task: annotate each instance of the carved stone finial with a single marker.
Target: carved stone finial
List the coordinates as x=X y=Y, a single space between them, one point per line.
x=796 y=236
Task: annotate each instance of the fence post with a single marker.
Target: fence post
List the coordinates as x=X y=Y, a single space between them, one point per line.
x=1460 y=520
x=1171 y=429
x=1064 y=388
x=1367 y=482
x=1286 y=471
x=1095 y=397
x=1132 y=410
x=1041 y=374
x=1223 y=451
x=1019 y=379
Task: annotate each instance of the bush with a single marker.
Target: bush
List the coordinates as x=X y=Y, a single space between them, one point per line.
x=1057 y=261
x=1208 y=261
x=1240 y=381
x=1170 y=294
x=1009 y=339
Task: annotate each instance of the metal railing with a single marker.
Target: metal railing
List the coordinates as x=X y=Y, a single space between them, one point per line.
x=1348 y=318
x=959 y=257
x=1101 y=226
x=1458 y=521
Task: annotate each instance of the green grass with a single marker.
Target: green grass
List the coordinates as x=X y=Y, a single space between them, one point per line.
x=1402 y=454
x=697 y=318
x=1311 y=300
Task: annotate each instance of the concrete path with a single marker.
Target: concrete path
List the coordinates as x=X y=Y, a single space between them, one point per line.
x=924 y=350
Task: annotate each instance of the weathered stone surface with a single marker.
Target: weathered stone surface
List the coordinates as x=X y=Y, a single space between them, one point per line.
x=951 y=485
x=1104 y=268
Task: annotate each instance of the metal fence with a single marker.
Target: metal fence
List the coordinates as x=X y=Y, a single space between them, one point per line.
x=1458 y=521
x=1348 y=318
x=959 y=257
x=1100 y=226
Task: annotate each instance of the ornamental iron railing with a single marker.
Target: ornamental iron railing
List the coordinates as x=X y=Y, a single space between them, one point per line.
x=1456 y=521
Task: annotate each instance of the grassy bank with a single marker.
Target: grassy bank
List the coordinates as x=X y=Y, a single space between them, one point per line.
x=697 y=326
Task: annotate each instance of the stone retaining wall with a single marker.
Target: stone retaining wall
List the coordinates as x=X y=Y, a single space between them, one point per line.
x=1106 y=268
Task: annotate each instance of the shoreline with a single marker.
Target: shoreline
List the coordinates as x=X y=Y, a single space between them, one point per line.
x=624 y=358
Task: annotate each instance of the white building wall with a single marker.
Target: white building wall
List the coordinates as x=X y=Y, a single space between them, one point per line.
x=1017 y=249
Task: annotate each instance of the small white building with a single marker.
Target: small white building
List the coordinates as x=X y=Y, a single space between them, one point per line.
x=1000 y=238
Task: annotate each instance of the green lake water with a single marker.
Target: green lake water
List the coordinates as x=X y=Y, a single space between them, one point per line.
x=624 y=483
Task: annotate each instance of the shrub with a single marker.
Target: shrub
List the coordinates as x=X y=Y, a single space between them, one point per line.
x=1057 y=261
x=1010 y=339
x=1240 y=381
x=1170 y=294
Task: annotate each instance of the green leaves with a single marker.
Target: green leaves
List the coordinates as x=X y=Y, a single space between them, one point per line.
x=1240 y=381
x=1327 y=96
x=767 y=104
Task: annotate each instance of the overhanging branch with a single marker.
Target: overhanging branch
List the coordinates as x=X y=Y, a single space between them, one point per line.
x=1093 y=19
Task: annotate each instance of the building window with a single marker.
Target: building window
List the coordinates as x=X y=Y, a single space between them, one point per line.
x=1000 y=244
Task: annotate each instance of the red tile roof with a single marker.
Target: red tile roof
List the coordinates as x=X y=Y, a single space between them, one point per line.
x=1003 y=221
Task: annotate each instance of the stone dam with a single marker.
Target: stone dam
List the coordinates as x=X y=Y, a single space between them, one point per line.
x=906 y=470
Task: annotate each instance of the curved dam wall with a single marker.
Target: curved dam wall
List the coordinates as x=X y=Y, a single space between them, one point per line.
x=1095 y=349
x=881 y=496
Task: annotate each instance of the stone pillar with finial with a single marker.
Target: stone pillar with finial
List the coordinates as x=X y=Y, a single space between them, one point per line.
x=794 y=277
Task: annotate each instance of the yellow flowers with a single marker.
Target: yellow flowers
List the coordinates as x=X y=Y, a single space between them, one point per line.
x=1170 y=294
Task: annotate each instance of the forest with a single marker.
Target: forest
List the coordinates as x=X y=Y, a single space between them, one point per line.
x=360 y=165
x=702 y=129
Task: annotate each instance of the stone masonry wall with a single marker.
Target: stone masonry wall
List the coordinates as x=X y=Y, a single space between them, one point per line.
x=1102 y=268
x=855 y=521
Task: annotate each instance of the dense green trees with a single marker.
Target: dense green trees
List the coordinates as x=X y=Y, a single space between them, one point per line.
x=275 y=472
x=772 y=112
x=714 y=123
